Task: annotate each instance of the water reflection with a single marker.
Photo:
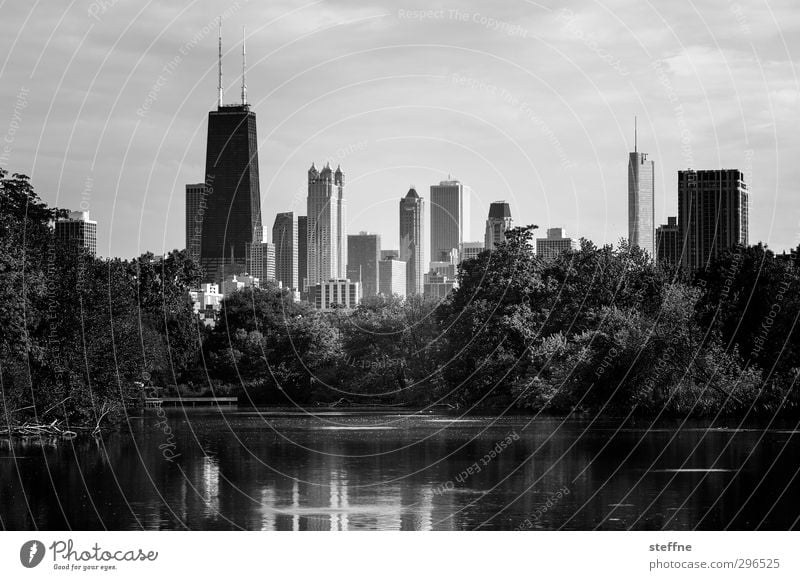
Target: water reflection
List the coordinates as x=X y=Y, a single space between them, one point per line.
x=354 y=471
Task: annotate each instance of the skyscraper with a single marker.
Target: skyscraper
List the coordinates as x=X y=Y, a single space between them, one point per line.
x=327 y=242
x=267 y=263
x=363 y=255
x=232 y=220
x=195 y=208
x=302 y=251
x=262 y=262
x=412 y=246
x=668 y=247
x=449 y=217
x=284 y=237
x=498 y=222
x=713 y=214
x=641 y=202
x=78 y=230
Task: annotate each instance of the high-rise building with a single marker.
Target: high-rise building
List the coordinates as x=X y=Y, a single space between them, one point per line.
x=713 y=214
x=195 y=208
x=268 y=262
x=668 y=248
x=363 y=255
x=232 y=220
x=77 y=229
x=262 y=262
x=335 y=293
x=392 y=277
x=641 y=200
x=285 y=240
x=449 y=217
x=554 y=244
x=327 y=241
x=390 y=254
x=412 y=245
x=302 y=252
x=470 y=250
x=498 y=222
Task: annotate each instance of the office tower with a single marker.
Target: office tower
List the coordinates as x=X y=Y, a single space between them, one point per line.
x=268 y=263
x=302 y=252
x=641 y=200
x=363 y=255
x=412 y=246
x=713 y=214
x=327 y=242
x=392 y=277
x=554 y=244
x=668 y=248
x=195 y=208
x=78 y=230
x=335 y=293
x=390 y=254
x=449 y=217
x=232 y=220
x=470 y=250
x=498 y=222
x=262 y=263
x=285 y=240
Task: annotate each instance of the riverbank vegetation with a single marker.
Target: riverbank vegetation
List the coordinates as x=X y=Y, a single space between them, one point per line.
x=597 y=330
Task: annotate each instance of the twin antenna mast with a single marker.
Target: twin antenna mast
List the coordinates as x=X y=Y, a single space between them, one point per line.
x=219 y=67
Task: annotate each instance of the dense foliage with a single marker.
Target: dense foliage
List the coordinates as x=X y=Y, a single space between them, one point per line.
x=598 y=329
x=81 y=336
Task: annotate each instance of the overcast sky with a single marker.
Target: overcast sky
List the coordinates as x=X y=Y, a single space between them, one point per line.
x=104 y=104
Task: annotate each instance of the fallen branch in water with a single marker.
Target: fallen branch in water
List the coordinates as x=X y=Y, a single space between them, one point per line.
x=106 y=409
x=37 y=430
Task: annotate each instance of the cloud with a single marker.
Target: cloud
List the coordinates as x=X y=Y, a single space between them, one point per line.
x=545 y=82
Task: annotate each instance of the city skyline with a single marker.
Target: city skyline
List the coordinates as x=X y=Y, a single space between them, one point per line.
x=557 y=162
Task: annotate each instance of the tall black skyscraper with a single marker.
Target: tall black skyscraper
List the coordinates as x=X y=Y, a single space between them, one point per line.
x=232 y=220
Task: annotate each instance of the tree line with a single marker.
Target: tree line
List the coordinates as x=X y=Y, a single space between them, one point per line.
x=597 y=330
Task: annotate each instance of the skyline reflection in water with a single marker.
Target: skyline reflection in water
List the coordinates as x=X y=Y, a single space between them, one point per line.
x=361 y=471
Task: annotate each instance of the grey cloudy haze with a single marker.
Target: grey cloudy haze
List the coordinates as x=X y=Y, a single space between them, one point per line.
x=104 y=104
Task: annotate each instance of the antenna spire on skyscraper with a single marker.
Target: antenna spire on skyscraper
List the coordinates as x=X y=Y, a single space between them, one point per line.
x=635 y=136
x=244 y=68
x=219 y=65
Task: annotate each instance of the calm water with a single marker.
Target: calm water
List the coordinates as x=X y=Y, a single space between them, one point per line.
x=350 y=471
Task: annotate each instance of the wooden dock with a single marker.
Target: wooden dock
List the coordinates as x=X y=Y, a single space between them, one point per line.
x=155 y=403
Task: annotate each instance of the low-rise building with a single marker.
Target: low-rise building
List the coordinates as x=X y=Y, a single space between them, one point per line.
x=341 y=293
x=438 y=286
x=207 y=302
x=236 y=282
x=554 y=244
